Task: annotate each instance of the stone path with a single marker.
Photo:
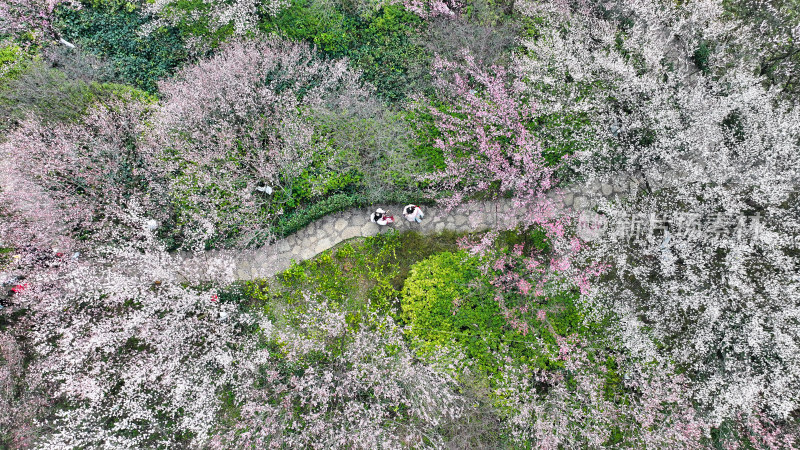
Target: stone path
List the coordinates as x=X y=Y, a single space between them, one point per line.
x=327 y=232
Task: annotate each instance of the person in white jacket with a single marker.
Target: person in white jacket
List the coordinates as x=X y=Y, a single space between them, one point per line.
x=413 y=213
x=381 y=217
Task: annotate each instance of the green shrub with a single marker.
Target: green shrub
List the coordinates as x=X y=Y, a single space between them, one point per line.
x=6 y=258
x=733 y=127
x=446 y=302
x=533 y=238
x=700 y=58
x=360 y=273
x=562 y=134
x=374 y=142
x=13 y=60
x=52 y=96
x=356 y=275
x=378 y=43
x=424 y=125
x=115 y=34
x=565 y=319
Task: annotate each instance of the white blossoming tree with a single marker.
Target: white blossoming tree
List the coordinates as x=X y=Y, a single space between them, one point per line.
x=704 y=258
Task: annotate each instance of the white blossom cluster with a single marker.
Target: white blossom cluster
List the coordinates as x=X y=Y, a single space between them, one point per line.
x=716 y=144
x=139 y=360
x=350 y=385
x=242 y=15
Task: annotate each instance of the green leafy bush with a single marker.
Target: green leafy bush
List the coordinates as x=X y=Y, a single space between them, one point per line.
x=533 y=238
x=379 y=43
x=374 y=142
x=114 y=33
x=424 y=126
x=52 y=96
x=700 y=58
x=13 y=60
x=447 y=302
x=356 y=275
x=360 y=273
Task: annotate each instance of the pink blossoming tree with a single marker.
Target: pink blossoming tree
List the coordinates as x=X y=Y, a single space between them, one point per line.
x=22 y=395
x=343 y=383
x=143 y=363
x=32 y=16
x=489 y=151
x=65 y=183
x=590 y=404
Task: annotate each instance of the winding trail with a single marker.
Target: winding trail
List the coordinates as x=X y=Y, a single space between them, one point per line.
x=325 y=233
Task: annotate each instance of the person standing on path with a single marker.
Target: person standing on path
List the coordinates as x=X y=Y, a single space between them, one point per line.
x=381 y=217
x=413 y=213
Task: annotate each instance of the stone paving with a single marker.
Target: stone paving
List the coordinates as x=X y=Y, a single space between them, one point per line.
x=325 y=233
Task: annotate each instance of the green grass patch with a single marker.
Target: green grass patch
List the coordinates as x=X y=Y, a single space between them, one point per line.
x=531 y=239
x=13 y=61
x=362 y=272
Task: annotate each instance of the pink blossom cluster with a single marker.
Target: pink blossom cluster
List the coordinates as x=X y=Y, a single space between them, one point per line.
x=217 y=158
x=432 y=8
x=36 y=16
x=130 y=354
x=61 y=181
x=122 y=339
x=491 y=144
x=23 y=395
x=489 y=151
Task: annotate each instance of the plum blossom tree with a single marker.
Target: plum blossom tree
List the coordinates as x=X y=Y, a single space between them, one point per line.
x=773 y=31
x=714 y=272
x=241 y=15
x=432 y=8
x=712 y=276
x=62 y=183
x=489 y=151
x=343 y=380
x=484 y=140
x=588 y=403
x=22 y=398
x=32 y=16
x=613 y=63
x=137 y=363
x=238 y=123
